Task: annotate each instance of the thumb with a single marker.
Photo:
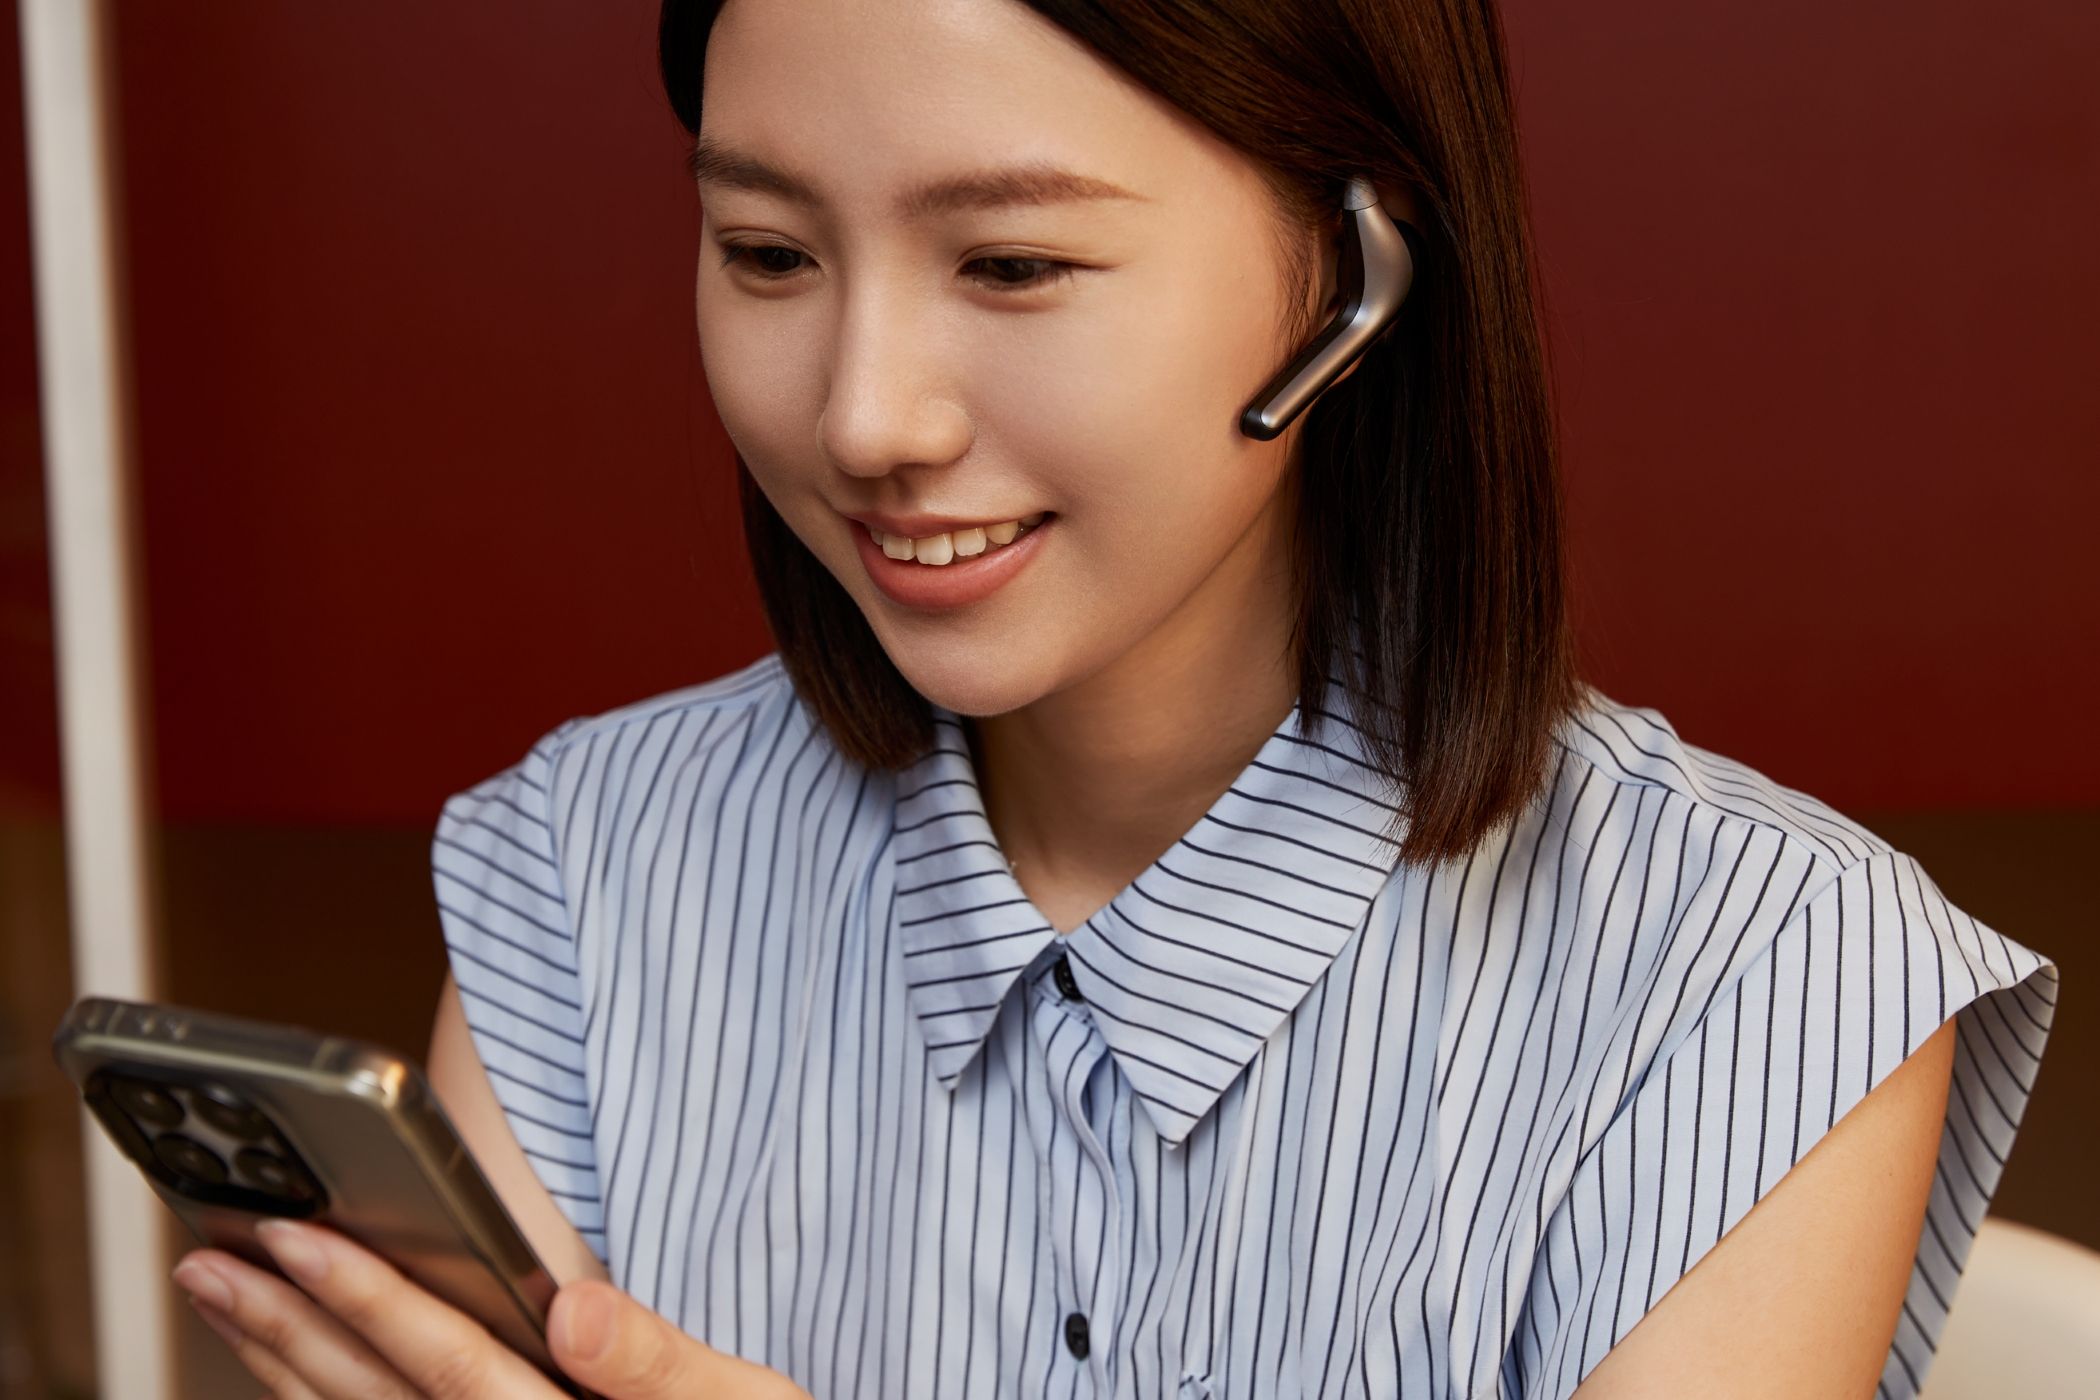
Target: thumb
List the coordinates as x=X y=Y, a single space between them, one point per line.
x=605 y=1339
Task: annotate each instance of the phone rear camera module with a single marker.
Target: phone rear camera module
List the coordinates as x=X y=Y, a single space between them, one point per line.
x=146 y=1102
x=227 y=1113
x=187 y=1157
x=272 y=1173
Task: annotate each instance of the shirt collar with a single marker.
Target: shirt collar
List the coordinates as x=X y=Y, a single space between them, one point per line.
x=1194 y=964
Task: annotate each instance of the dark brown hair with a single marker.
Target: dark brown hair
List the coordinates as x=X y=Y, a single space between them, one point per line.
x=1429 y=556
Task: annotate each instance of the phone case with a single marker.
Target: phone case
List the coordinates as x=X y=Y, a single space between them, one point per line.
x=315 y=1126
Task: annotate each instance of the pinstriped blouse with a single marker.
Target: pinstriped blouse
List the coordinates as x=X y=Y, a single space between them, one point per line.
x=793 y=1050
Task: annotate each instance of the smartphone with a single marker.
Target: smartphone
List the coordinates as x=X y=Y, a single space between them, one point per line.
x=234 y=1121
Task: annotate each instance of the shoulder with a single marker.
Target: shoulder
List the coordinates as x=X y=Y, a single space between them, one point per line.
x=1731 y=968
x=1648 y=866
x=684 y=723
x=597 y=773
x=1636 y=750
x=1657 y=894
x=521 y=862
x=746 y=730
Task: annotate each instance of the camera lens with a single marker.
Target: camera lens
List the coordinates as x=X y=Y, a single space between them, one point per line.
x=274 y=1174
x=269 y=1172
x=147 y=1103
x=190 y=1158
x=227 y=1113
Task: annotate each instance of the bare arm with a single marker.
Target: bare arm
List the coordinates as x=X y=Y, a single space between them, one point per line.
x=1800 y=1300
x=462 y=1085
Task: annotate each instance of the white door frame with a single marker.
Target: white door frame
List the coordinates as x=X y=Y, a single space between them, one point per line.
x=111 y=869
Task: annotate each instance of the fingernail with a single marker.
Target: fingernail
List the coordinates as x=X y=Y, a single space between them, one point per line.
x=295 y=1247
x=217 y=1321
x=204 y=1282
x=588 y=1323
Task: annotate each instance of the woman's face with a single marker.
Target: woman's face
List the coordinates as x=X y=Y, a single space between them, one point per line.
x=935 y=359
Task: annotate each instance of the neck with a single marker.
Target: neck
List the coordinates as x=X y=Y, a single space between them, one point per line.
x=1088 y=786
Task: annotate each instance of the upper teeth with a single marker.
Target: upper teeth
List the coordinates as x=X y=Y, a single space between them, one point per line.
x=953 y=544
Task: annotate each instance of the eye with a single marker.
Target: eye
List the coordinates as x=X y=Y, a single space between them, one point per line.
x=1054 y=272
x=749 y=255
x=753 y=257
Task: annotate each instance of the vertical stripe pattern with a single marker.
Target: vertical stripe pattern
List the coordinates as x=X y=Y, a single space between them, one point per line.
x=792 y=1049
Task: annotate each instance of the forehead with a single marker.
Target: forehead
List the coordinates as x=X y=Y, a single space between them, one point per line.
x=883 y=103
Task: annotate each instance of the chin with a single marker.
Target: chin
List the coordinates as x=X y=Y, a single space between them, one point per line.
x=970 y=682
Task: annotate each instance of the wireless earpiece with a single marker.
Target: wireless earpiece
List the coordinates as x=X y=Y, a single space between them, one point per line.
x=1376 y=267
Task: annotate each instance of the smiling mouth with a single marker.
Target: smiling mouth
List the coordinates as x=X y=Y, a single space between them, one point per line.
x=938 y=551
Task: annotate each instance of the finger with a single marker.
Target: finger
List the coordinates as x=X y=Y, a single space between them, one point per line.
x=262 y=1363
x=312 y=1347
x=440 y=1351
x=623 y=1351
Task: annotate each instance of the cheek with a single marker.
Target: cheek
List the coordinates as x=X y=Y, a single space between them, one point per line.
x=1129 y=425
x=759 y=405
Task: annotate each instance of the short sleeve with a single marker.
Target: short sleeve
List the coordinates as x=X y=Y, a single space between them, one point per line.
x=1855 y=980
x=496 y=870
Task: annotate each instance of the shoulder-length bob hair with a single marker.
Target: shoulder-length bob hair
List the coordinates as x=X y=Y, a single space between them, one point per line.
x=1429 y=556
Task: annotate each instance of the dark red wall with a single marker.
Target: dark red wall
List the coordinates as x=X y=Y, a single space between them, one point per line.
x=28 y=702
x=1828 y=319
x=428 y=456
x=429 y=463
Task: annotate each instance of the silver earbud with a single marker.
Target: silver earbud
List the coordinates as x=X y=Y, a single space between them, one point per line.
x=1373 y=274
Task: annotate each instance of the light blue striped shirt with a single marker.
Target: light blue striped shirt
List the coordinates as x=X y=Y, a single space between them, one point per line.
x=795 y=1053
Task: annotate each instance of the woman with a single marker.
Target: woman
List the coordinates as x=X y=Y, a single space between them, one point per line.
x=1167 y=921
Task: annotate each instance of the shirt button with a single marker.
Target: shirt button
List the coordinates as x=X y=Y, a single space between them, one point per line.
x=1075 y=1334
x=1062 y=972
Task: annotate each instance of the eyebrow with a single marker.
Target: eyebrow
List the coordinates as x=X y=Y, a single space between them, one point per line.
x=713 y=163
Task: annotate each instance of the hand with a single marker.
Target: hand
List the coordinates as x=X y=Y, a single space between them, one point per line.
x=360 y=1329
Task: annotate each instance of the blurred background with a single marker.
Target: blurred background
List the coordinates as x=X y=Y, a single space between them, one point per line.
x=421 y=447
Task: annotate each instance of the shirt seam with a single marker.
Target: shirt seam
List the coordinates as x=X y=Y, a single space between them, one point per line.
x=1790 y=839
x=657 y=706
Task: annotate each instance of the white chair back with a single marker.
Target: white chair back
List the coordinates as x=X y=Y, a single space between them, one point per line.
x=2025 y=1320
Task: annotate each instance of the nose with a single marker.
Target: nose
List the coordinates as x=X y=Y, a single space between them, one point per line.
x=890 y=403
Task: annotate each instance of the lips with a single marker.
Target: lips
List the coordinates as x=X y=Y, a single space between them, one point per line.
x=962 y=581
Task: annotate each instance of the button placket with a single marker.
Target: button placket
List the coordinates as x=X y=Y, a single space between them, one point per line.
x=1104 y=1303
x=1074 y=1076
x=1079 y=1089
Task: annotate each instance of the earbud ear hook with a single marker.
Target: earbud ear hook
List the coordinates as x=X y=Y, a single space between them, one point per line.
x=1372 y=277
